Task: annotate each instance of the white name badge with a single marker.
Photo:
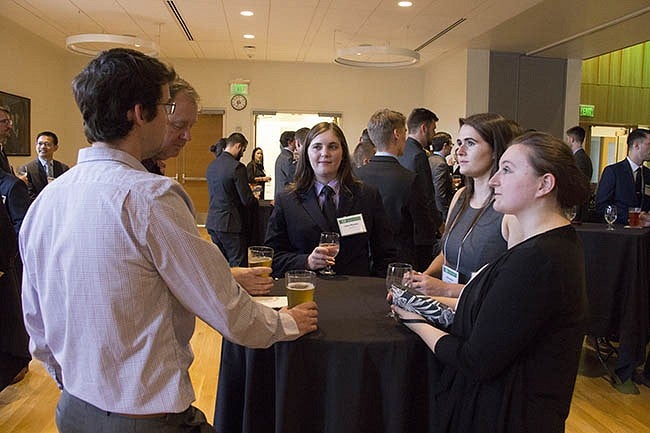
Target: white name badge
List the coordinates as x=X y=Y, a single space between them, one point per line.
x=449 y=275
x=351 y=225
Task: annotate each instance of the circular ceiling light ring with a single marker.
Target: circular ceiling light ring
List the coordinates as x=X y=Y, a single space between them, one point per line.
x=91 y=44
x=373 y=56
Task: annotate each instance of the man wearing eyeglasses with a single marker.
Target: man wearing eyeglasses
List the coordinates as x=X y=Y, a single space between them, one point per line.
x=178 y=132
x=44 y=169
x=6 y=127
x=116 y=273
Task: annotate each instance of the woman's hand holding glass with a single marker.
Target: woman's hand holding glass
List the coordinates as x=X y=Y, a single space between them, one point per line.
x=320 y=258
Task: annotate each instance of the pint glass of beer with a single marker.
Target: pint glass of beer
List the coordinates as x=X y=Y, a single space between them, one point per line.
x=300 y=287
x=260 y=256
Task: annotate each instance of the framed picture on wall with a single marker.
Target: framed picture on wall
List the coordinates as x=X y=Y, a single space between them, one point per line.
x=18 y=143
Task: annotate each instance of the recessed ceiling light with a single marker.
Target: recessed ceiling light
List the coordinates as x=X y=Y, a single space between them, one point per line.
x=246 y=13
x=249 y=36
x=405 y=4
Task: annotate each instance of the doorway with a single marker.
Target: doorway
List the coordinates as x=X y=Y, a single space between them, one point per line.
x=268 y=128
x=189 y=167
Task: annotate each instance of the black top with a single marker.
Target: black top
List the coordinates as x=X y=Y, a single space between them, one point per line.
x=512 y=356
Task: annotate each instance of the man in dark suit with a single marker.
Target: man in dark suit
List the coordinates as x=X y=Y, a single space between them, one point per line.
x=421 y=125
x=285 y=165
x=441 y=172
x=14 y=196
x=626 y=184
x=401 y=194
x=45 y=168
x=575 y=139
x=232 y=203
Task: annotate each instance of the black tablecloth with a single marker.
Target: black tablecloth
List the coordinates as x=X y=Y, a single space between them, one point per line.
x=259 y=223
x=360 y=372
x=618 y=280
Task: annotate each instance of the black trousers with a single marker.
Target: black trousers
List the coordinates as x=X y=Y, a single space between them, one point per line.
x=233 y=246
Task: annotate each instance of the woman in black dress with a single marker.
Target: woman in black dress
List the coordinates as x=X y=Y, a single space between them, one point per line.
x=255 y=170
x=511 y=356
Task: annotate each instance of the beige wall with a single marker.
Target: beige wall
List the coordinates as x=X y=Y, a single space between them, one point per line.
x=445 y=89
x=35 y=69
x=298 y=88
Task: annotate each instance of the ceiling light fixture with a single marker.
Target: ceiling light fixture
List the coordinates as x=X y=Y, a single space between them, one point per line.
x=405 y=4
x=374 y=56
x=247 y=36
x=246 y=13
x=91 y=44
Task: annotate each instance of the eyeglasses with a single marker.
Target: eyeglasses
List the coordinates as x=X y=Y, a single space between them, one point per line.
x=170 y=107
x=7 y=121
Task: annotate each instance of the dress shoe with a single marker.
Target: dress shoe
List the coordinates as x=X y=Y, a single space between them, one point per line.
x=641 y=379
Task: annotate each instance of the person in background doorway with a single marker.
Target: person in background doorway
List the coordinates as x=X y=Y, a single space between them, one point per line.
x=255 y=171
x=285 y=164
x=441 y=173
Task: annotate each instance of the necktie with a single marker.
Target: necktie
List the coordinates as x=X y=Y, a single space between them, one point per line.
x=638 y=186
x=49 y=169
x=329 y=208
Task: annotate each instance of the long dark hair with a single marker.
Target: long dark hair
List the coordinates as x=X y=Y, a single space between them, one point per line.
x=253 y=156
x=304 y=171
x=234 y=138
x=498 y=133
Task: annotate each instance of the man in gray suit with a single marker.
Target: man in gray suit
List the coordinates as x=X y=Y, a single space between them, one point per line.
x=285 y=165
x=441 y=172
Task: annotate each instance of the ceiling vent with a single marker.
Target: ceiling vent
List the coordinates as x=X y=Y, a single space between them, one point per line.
x=179 y=19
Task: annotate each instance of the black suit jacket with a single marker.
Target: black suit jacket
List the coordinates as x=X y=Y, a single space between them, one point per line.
x=36 y=176
x=616 y=187
x=297 y=221
x=403 y=201
x=232 y=203
x=415 y=159
x=584 y=163
x=285 y=170
x=13 y=192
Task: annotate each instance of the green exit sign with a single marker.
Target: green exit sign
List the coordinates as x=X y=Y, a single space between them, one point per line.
x=239 y=88
x=587 y=110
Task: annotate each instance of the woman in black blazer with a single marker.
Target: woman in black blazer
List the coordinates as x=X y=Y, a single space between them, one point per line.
x=297 y=220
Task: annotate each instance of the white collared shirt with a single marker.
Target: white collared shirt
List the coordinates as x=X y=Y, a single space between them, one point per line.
x=115 y=273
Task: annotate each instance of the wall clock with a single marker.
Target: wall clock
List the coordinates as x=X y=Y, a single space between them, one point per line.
x=238 y=102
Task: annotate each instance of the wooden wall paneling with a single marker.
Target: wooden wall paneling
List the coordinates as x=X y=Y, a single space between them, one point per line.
x=590 y=69
x=615 y=68
x=632 y=66
x=645 y=80
x=596 y=95
x=604 y=70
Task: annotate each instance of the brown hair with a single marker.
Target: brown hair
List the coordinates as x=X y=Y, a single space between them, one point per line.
x=305 y=172
x=548 y=154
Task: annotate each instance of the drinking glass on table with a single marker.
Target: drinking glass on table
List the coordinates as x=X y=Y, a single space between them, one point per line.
x=329 y=240
x=610 y=216
x=300 y=287
x=260 y=256
x=633 y=216
x=400 y=274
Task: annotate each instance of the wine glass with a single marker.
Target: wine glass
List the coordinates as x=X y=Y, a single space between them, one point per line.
x=610 y=216
x=400 y=274
x=571 y=212
x=329 y=240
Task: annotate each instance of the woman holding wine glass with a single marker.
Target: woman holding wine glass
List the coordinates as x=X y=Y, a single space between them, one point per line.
x=324 y=192
x=511 y=356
